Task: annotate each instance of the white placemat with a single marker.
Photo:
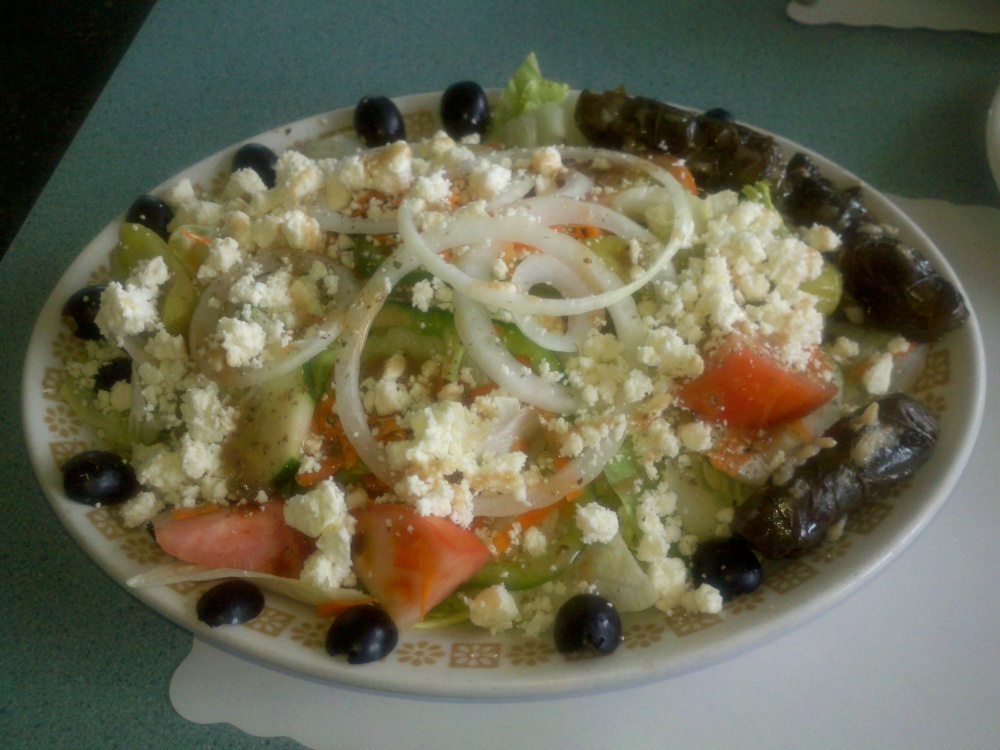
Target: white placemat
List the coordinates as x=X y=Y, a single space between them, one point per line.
x=911 y=660
x=940 y=15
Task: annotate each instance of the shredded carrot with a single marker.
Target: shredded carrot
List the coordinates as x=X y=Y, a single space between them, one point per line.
x=366 y=198
x=336 y=451
x=334 y=607
x=386 y=429
x=513 y=251
x=580 y=232
x=480 y=390
x=528 y=519
x=328 y=466
x=201 y=239
x=678 y=169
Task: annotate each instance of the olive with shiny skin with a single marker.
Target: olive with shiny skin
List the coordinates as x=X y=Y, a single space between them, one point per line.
x=364 y=633
x=378 y=121
x=80 y=311
x=260 y=159
x=152 y=212
x=111 y=372
x=99 y=478
x=729 y=565
x=465 y=110
x=587 y=621
x=230 y=603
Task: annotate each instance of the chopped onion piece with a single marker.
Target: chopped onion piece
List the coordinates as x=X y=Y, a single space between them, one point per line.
x=467 y=230
x=334 y=221
x=183 y=572
x=483 y=345
x=347 y=371
x=552 y=210
x=573 y=476
x=544 y=269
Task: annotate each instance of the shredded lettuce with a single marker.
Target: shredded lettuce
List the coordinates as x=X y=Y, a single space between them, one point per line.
x=626 y=479
x=534 y=111
x=760 y=192
x=526 y=91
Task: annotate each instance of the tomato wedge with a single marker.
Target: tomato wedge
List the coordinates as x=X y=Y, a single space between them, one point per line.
x=410 y=562
x=744 y=387
x=244 y=537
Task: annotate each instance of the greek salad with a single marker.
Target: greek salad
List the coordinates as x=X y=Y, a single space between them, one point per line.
x=571 y=356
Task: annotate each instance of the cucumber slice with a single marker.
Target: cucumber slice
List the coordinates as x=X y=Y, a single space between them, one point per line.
x=529 y=572
x=111 y=427
x=178 y=298
x=274 y=421
x=418 y=335
x=697 y=504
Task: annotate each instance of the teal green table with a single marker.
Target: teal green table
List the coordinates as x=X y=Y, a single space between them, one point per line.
x=84 y=665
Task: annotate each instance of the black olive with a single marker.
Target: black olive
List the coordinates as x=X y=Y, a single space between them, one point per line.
x=111 y=372
x=81 y=309
x=718 y=113
x=259 y=158
x=365 y=633
x=378 y=121
x=727 y=564
x=230 y=603
x=464 y=109
x=587 y=621
x=99 y=478
x=152 y=213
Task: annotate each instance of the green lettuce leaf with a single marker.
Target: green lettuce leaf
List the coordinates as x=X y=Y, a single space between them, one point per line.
x=527 y=90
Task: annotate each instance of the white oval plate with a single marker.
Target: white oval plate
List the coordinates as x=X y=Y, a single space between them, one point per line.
x=993 y=137
x=462 y=661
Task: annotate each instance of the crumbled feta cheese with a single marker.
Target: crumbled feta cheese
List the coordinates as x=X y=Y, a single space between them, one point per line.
x=243 y=341
x=596 y=523
x=141 y=509
x=535 y=542
x=494 y=609
x=878 y=377
x=696 y=436
x=705 y=599
x=488 y=179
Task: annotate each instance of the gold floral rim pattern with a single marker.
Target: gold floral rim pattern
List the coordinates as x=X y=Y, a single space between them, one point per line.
x=298 y=625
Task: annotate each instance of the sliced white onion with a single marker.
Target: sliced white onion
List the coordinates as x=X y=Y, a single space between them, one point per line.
x=347 y=371
x=522 y=425
x=635 y=201
x=467 y=230
x=206 y=351
x=544 y=269
x=557 y=209
x=575 y=475
x=576 y=185
x=334 y=221
x=585 y=153
x=176 y=571
x=518 y=187
x=484 y=346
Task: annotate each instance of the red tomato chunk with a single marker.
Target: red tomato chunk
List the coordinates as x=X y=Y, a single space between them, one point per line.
x=744 y=387
x=412 y=563
x=248 y=537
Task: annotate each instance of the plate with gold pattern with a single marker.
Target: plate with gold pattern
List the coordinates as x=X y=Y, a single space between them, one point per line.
x=461 y=661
